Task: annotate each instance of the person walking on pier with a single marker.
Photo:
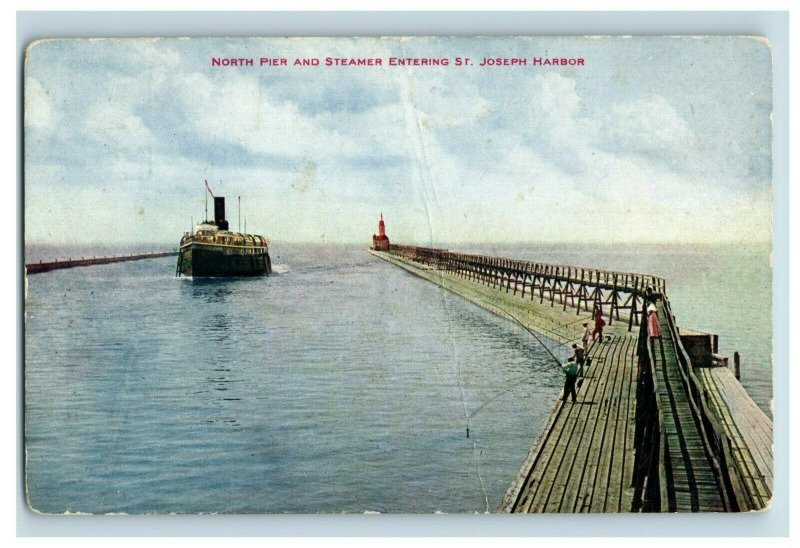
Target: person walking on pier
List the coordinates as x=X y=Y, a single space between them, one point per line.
x=599 y=323
x=653 y=324
x=571 y=372
x=587 y=334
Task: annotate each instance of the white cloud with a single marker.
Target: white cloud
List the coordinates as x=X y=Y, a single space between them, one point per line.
x=114 y=126
x=443 y=106
x=555 y=97
x=241 y=112
x=39 y=109
x=650 y=125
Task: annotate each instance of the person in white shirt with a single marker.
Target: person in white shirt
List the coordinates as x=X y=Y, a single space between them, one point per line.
x=587 y=334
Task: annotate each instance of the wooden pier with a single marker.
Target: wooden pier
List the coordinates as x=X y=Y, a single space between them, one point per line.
x=584 y=458
x=656 y=427
x=46 y=266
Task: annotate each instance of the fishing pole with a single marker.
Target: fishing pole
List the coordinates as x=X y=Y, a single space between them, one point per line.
x=497 y=395
x=525 y=327
x=555 y=331
x=566 y=342
x=526 y=379
x=561 y=327
x=572 y=322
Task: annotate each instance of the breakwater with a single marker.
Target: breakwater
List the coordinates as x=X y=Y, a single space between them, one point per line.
x=46 y=266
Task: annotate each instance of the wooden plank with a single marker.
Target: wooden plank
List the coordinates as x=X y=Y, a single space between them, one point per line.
x=516 y=492
x=539 y=483
x=596 y=453
x=621 y=445
x=749 y=488
x=690 y=464
x=594 y=448
x=549 y=467
x=627 y=486
x=753 y=424
x=618 y=442
x=601 y=483
x=562 y=452
x=598 y=376
x=752 y=466
x=581 y=490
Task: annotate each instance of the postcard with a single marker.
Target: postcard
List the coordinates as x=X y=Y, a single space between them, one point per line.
x=409 y=275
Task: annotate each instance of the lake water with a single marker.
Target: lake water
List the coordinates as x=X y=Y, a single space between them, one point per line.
x=339 y=384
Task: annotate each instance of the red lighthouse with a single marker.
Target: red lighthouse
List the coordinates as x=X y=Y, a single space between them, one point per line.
x=381 y=241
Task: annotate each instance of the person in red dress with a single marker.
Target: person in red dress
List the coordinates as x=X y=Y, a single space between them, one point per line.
x=653 y=324
x=599 y=322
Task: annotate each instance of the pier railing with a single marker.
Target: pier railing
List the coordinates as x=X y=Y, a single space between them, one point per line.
x=651 y=440
x=615 y=294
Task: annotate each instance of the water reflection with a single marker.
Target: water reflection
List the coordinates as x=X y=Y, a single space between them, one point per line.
x=218 y=387
x=222 y=394
x=212 y=290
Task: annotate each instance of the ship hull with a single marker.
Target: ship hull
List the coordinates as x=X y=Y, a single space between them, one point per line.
x=203 y=260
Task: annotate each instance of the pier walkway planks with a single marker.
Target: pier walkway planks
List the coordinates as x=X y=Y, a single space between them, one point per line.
x=750 y=432
x=690 y=473
x=583 y=460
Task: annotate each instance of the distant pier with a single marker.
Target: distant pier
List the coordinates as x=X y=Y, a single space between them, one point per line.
x=46 y=266
x=661 y=424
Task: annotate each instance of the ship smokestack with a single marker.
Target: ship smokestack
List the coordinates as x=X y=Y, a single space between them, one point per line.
x=219 y=213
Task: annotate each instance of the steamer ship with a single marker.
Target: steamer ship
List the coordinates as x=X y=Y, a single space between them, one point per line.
x=212 y=250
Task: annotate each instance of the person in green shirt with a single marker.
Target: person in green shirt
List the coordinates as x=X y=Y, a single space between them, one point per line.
x=571 y=371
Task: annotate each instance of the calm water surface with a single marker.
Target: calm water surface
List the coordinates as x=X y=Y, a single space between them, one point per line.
x=340 y=384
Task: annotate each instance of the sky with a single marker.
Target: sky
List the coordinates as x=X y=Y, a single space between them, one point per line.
x=651 y=139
